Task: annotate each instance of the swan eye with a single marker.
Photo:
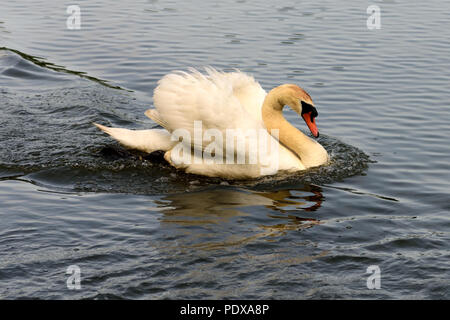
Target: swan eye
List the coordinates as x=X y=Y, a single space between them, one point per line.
x=307 y=108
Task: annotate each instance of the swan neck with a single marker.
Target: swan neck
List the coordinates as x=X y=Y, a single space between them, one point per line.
x=288 y=135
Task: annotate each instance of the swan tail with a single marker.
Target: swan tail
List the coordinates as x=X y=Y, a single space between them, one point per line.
x=155 y=116
x=143 y=140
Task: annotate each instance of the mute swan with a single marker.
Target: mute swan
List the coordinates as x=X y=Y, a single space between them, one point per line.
x=218 y=103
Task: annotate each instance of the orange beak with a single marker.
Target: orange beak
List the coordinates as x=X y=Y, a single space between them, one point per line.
x=310 y=122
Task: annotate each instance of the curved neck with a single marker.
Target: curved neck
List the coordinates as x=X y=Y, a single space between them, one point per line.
x=289 y=136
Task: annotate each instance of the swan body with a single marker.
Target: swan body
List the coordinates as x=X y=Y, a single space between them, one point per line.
x=213 y=110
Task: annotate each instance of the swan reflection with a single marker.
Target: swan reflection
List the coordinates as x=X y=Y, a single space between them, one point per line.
x=226 y=205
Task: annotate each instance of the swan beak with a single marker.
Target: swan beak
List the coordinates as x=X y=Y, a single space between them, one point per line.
x=311 y=123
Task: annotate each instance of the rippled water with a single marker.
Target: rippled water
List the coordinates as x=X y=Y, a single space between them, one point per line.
x=137 y=228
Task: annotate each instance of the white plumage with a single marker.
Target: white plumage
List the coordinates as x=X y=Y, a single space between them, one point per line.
x=222 y=102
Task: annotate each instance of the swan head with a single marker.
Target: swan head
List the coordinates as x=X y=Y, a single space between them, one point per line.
x=299 y=101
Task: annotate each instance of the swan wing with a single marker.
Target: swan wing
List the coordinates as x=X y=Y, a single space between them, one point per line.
x=219 y=100
x=248 y=91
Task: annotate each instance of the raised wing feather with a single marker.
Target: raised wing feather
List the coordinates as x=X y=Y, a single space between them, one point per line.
x=219 y=100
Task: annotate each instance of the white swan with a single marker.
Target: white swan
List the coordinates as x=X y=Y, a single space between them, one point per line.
x=224 y=102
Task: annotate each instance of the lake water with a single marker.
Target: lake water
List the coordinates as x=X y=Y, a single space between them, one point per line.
x=137 y=228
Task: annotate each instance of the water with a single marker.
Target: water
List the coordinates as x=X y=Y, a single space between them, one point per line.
x=139 y=229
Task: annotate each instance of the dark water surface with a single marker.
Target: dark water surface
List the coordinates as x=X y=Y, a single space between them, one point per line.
x=137 y=228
